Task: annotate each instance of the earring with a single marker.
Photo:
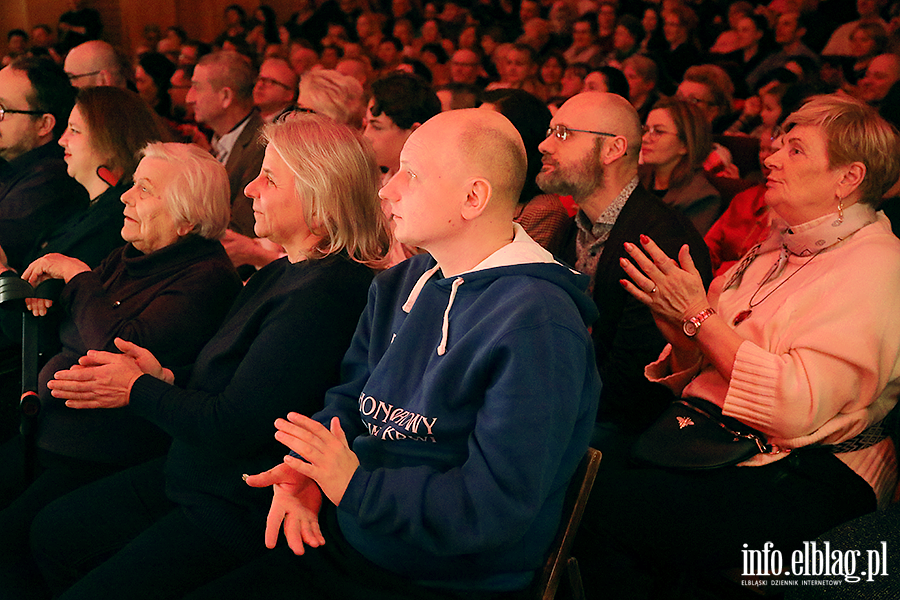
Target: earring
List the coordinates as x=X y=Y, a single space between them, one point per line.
x=840 y=210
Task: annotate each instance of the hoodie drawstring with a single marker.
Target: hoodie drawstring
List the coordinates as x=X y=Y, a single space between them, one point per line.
x=445 y=328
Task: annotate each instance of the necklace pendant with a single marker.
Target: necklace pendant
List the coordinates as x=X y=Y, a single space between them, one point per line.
x=741 y=317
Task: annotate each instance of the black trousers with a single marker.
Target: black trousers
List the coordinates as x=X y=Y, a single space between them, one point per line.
x=121 y=537
x=335 y=571
x=681 y=521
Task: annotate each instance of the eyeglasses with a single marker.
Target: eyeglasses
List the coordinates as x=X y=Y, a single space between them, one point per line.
x=653 y=132
x=562 y=132
x=5 y=111
x=73 y=76
x=693 y=100
x=270 y=81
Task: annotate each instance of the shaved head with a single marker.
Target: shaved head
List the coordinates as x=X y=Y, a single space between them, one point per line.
x=600 y=111
x=94 y=63
x=479 y=143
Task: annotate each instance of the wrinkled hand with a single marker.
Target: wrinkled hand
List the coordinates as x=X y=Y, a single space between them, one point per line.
x=329 y=461
x=296 y=502
x=673 y=292
x=53 y=266
x=103 y=379
x=144 y=359
x=244 y=250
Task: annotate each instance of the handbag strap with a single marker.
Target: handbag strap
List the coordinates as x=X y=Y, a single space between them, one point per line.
x=761 y=443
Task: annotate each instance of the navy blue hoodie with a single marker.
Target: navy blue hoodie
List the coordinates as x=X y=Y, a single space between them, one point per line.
x=469 y=401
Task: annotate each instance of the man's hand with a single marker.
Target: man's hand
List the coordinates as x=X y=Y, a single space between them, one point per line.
x=296 y=503
x=329 y=461
x=103 y=379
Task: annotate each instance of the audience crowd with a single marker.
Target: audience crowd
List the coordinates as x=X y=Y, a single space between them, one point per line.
x=559 y=192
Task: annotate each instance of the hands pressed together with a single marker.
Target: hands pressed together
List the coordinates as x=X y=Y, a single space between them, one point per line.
x=327 y=466
x=104 y=379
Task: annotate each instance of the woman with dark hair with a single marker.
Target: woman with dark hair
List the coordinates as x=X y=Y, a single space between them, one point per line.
x=677 y=139
x=152 y=77
x=107 y=128
x=279 y=349
x=541 y=215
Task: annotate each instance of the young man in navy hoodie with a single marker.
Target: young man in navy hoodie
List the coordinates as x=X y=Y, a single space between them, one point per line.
x=469 y=395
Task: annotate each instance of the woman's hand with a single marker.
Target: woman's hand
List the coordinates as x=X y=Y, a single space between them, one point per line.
x=53 y=266
x=673 y=291
x=103 y=379
x=296 y=502
x=329 y=461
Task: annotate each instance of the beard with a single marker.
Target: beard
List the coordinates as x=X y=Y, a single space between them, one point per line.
x=579 y=180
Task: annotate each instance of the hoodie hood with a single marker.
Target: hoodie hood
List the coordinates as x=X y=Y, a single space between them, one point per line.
x=522 y=256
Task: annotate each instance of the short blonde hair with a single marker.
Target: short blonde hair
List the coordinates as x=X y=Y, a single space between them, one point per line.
x=329 y=93
x=337 y=178
x=199 y=192
x=854 y=132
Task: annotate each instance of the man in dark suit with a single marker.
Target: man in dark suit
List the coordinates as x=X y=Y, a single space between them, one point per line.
x=592 y=154
x=221 y=95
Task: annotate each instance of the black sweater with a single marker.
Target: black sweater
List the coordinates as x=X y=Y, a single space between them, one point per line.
x=279 y=350
x=170 y=301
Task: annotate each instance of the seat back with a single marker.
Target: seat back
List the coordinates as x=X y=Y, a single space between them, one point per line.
x=573 y=508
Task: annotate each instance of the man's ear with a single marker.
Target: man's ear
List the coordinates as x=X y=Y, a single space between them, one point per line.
x=614 y=150
x=103 y=78
x=477 y=198
x=226 y=96
x=45 y=124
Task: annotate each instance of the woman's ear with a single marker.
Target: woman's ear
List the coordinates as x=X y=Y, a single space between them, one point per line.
x=853 y=177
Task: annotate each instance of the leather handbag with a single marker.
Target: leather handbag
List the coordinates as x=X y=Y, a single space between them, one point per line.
x=693 y=434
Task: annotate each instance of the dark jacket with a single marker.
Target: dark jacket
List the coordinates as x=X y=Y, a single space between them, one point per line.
x=35 y=194
x=625 y=336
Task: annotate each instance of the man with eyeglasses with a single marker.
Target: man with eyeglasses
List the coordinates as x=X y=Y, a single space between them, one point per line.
x=35 y=190
x=275 y=91
x=95 y=63
x=591 y=153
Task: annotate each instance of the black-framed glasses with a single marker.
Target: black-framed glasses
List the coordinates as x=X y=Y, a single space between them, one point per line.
x=4 y=111
x=562 y=132
x=270 y=81
x=74 y=76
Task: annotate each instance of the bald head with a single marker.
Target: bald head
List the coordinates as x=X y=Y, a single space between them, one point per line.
x=479 y=143
x=94 y=63
x=610 y=113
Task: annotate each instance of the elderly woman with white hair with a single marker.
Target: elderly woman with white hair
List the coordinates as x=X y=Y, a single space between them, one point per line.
x=279 y=350
x=797 y=345
x=167 y=289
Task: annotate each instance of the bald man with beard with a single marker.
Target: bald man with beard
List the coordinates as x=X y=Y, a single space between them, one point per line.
x=468 y=398
x=592 y=154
